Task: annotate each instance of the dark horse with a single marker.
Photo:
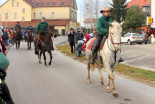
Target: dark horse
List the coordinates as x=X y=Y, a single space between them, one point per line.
x=46 y=44
x=29 y=39
x=18 y=37
x=150 y=31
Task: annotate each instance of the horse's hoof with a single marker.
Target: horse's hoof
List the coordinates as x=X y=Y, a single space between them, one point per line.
x=109 y=90
x=115 y=95
x=49 y=64
x=89 y=82
x=102 y=83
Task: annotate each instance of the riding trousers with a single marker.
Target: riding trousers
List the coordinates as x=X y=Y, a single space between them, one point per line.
x=96 y=46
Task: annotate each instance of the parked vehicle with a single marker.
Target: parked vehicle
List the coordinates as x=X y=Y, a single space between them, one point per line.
x=130 y=38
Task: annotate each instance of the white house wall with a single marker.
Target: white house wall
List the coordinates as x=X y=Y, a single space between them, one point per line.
x=153 y=12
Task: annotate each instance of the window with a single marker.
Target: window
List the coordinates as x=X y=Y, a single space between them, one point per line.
x=62 y=3
x=34 y=15
x=37 y=4
x=41 y=15
x=12 y=4
x=23 y=10
x=53 y=15
x=54 y=3
x=145 y=8
x=17 y=4
x=6 y=15
x=23 y=19
x=48 y=3
x=15 y=15
x=42 y=4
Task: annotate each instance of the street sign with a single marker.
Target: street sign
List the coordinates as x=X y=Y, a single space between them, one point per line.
x=150 y=20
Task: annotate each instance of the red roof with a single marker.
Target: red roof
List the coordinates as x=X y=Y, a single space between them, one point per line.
x=49 y=3
x=139 y=3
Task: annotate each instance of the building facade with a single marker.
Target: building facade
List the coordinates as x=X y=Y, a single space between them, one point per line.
x=60 y=13
x=153 y=12
x=143 y=4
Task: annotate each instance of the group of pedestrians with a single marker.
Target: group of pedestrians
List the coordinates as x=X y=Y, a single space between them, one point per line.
x=78 y=40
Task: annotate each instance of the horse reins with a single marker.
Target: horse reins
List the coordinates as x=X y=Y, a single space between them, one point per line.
x=114 y=51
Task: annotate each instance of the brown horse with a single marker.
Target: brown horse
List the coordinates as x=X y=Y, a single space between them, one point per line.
x=18 y=37
x=150 y=31
x=46 y=44
x=29 y=39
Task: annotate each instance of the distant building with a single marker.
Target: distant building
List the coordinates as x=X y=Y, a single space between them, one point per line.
x=90 y=23
x=153 y=12
x=61 y=13
x=144 y=4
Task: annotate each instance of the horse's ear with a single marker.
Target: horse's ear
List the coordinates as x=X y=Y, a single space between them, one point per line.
x=121 y=23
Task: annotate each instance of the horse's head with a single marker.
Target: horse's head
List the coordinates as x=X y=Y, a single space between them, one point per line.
x=115 y=32
x=148 y=33
x=52 y=31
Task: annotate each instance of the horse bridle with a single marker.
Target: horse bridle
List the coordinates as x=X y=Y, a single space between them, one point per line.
x=114 y=51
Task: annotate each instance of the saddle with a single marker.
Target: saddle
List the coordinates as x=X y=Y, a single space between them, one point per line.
x=91 y=45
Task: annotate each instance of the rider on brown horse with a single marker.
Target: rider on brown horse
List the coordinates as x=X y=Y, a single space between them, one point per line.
x=29 y=28
x=17 y=25
x=42 y=29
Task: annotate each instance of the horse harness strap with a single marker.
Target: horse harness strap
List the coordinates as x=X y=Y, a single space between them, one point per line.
x=114 y=51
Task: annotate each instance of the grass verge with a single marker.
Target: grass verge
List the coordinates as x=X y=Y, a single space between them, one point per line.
x=138 y=74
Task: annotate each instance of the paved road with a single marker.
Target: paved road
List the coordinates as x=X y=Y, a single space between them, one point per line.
x=142 y=56
x=64 y=82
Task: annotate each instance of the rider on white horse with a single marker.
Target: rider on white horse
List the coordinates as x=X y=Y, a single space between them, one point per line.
x=102 y=30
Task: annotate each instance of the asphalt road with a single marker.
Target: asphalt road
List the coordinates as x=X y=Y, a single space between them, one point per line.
x=142 y=56
x=64 y=82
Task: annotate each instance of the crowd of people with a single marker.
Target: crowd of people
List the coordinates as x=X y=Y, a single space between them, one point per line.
x=77 y=41
x=8 y=34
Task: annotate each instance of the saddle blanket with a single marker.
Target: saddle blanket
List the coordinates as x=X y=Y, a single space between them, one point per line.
x=93 y=42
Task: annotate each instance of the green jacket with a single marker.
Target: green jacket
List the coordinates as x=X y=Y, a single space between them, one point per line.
x=42 y=27
x=103 y=25
x=17 y=25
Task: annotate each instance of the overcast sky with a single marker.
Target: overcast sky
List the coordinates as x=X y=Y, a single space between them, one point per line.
x=79 y=3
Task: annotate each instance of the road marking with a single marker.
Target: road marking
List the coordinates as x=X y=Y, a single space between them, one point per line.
x=136 y=58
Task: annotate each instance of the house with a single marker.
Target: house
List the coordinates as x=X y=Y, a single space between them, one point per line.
x=90 y=23
x=153 y=12
x=144 y=4
x=60 y=13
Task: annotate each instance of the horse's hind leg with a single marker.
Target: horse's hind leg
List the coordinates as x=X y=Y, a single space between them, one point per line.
x=101 y=77
x=50 y=57
x=88 y=68
x=44 y=58
x=39 y=56
x=27 y=45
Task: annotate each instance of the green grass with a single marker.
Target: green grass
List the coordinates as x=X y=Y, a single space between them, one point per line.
x=130 y=71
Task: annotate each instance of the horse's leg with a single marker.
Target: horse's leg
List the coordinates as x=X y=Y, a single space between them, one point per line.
x=108 y=84
x=27 y=45
x=88 y=68
x=50 y=57
x=44 y=58
x=115 y=94
x=16 y=43
x=40 y=56
x=19 y=44
x=101 y=77
x=30 y=45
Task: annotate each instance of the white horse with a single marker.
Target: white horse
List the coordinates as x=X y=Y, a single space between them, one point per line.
x=110 y=54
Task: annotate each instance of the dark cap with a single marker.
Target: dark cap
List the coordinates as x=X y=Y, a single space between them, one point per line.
x=71 y=29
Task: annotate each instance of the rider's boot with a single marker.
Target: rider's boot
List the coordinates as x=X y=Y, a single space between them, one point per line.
x=94 y=52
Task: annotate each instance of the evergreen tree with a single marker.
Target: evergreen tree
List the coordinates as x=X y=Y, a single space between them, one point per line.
x=134 y=18
x=118 y=10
